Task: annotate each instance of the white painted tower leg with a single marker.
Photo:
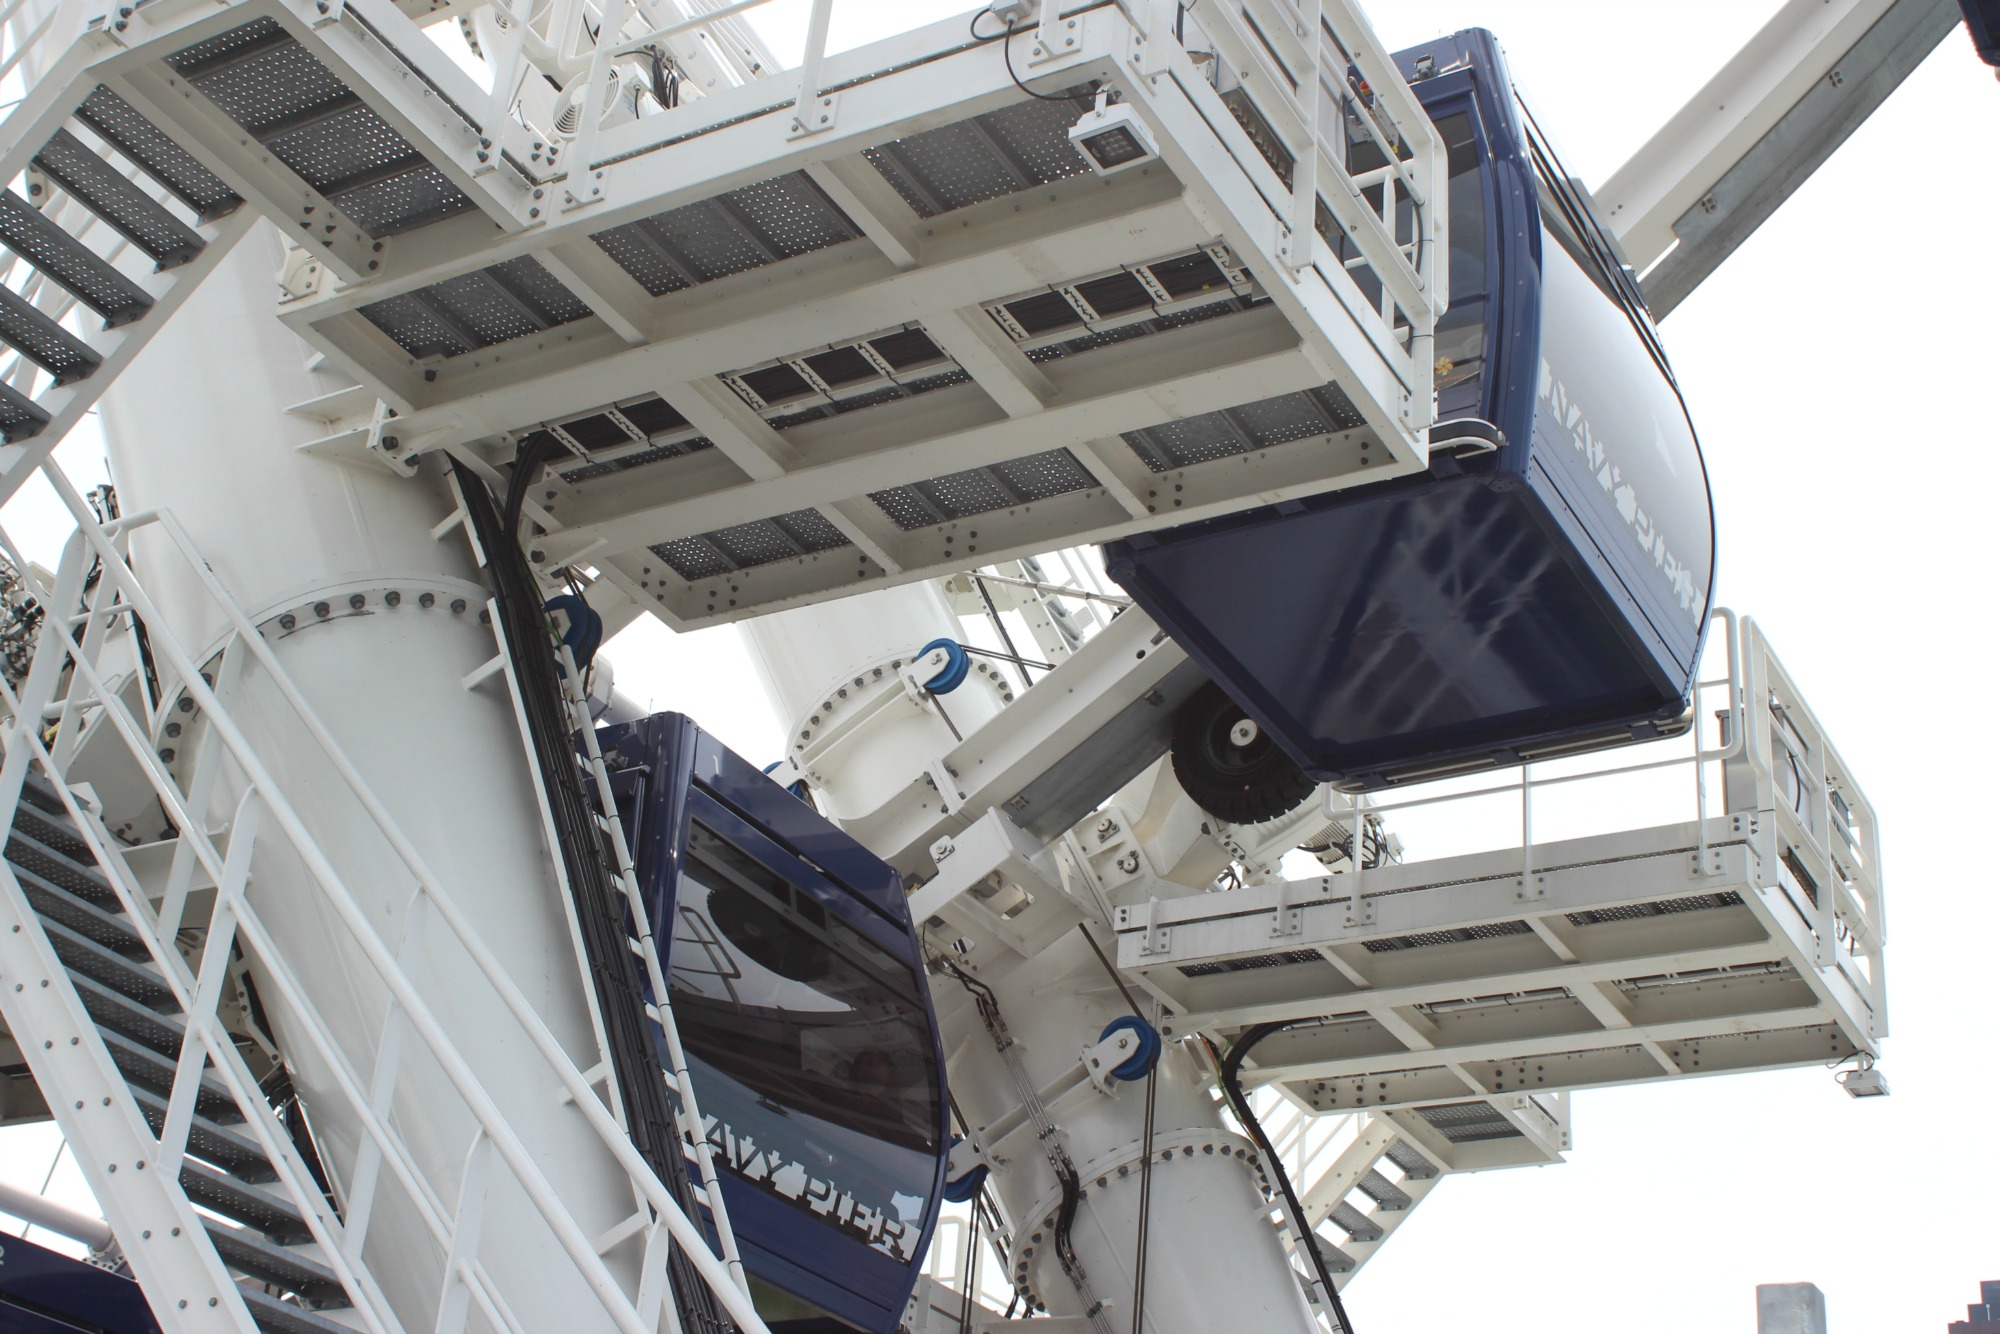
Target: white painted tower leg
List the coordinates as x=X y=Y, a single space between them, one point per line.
x=199 y=426
x=1214 y=1262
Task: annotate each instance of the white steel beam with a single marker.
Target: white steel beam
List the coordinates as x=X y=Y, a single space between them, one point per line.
x=1767 y=120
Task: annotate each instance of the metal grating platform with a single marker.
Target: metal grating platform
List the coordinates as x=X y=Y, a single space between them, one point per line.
x=287 y=99
x=1229 y=432
x=144 y=143
x=43 y=341
x=734 y=232
x=985 y=157
x=1469 y=1122
x=103 y=189
x=748 y=545
x=479 y=310
x=27 y=232
x=1071 y=337
x=20 y=418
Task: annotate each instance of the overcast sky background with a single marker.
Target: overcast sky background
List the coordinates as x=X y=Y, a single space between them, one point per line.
x=1836 y=368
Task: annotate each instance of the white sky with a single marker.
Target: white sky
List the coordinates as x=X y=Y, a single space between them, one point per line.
x=1832 y=368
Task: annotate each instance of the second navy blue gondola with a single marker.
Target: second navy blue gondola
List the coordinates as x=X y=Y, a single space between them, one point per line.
x=799 y=991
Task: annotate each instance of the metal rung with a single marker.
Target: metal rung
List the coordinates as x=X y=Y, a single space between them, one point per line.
x=128 y=210
x=34 y=236
x=148 y=1069
x=51 y=830
x=1386 y=1194
x=282 y=1317
x=121 y=1014
x=1415 y=1166
x=212 y=1143
x=1356 y=1224
x=44 y=342
x=20 y=418
x=251 y=1254
x=31 y=854
x=56 y=904
x=84 y=956
x=154 y=152
x=276 y=1218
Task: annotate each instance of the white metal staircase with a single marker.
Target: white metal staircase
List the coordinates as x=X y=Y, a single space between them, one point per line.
x=119 y=969
x=798 y=331
x=107 y=227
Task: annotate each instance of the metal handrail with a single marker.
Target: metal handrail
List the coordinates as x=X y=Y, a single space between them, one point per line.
x=117 y=575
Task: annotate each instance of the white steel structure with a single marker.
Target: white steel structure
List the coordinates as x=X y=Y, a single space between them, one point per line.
x=900 y=321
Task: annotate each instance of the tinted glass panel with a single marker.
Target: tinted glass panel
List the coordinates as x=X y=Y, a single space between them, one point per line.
x=810 y=1048
x=1461 y=332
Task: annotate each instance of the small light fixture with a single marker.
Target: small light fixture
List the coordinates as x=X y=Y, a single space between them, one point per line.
x=1112 y=138
x=1866 y=1082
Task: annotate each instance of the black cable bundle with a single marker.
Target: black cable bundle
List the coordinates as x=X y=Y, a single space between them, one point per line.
x=599 y=908
x=1239 y=1104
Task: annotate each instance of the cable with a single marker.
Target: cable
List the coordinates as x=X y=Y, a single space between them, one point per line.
x=1045 y=1131
x=1006 y=40
x=598 y=907
x=1111 y=972
x=1231 y=1089
x=1006 y=640
x=1145 y=1206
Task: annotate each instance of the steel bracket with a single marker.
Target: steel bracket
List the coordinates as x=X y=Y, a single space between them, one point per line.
x=815 y=116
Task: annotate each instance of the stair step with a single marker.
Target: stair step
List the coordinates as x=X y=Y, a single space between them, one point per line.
x=130 y=211
x=1337 y=1260
x=235 y=1154
x=84 y=881
x=1388 y=1196
x=281 y=1317
x=267 y=1212
x=280 y=1266
x=1357 y=1225
x=1415 y=1166
x=36 y=237
x=20 y=418
x=155 y=153
x=56 y=904
x=52 y=831
x=82 y=955
x=38 y=792
x=145 y=1068
x=43 y=341
x=128 y=1018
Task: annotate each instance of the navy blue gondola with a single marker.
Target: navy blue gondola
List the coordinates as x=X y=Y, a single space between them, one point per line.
x=1546 y=597
x=1982 y=21
x=798 y=989
x=45 y=1292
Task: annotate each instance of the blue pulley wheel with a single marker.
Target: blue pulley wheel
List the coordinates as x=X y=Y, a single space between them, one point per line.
x=955 y=669
x=1139 y=1063
x=797 y=789
x=966 y=1188
x=585 y=630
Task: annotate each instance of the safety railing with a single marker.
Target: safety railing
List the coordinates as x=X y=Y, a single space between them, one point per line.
x=68 y=688
x=1829 y=837
x=1753 y=746
x=1441 y=805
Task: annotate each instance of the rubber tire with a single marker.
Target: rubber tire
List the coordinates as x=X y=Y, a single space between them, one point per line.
x=1237 y=784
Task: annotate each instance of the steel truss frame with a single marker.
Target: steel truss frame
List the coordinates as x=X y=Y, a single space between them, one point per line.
x=149 y=1212
x=1210 y=185
x=1750 y=939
